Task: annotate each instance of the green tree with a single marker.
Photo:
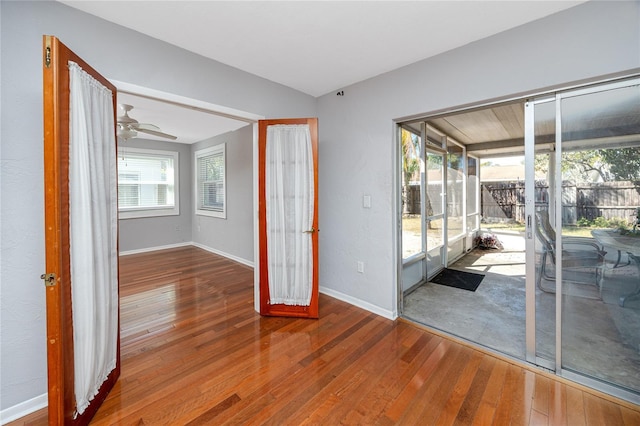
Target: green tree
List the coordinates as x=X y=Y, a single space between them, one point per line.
x=410 y=163
x=624 y=163
x=410 y=156
x=579 y=165
x=609 y=164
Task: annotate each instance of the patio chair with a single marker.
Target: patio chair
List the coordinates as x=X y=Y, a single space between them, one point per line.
x=543 y=217
x=577 y=253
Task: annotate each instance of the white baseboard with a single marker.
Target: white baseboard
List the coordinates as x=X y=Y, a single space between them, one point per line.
x=223 y=254
x=190 y=243
x=148 y=249
x=23 y=409
x=359 y=303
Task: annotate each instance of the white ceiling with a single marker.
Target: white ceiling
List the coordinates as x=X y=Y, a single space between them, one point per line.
x=188 y=124
x=317 y=47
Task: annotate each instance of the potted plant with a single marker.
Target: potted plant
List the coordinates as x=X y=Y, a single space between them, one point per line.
x=488 y=241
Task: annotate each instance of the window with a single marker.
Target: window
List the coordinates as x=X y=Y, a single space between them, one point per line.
x=147 y=183
x=210 y=182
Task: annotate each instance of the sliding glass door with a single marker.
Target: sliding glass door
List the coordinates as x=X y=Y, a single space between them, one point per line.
x=583 y=270
x=540 y=200
x=601 y=127
x=581 y=230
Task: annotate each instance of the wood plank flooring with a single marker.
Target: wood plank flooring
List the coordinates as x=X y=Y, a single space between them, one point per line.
x=194 y=352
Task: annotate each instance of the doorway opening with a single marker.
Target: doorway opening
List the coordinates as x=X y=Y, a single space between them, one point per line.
x=447 y=210
x=482 y=190
x=229 y=115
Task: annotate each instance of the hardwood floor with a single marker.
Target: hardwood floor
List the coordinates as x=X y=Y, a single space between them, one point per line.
x=194 y=352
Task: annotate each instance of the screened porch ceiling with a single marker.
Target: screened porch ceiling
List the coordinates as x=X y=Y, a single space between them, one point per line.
x=605 y=119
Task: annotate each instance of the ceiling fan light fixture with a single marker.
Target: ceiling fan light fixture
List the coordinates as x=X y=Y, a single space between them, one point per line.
x=126 y=132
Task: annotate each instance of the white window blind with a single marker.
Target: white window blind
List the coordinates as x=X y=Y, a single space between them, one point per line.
x=147 y=183
x=211 y=181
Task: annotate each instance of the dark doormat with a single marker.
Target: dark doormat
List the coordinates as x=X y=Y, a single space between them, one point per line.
x=458 y=279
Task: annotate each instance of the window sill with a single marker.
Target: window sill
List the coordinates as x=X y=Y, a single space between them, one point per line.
x=210 y=213
x=137 y=214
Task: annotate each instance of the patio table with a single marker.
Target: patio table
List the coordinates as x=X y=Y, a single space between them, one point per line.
x=630 y=245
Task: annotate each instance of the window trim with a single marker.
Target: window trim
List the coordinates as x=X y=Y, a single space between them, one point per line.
x=145 y=212
x=205 y=152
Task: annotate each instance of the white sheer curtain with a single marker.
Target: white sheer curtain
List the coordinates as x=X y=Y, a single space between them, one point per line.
x=93 y=225
x=289 y=198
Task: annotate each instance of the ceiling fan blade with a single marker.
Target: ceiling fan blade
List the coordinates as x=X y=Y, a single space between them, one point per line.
x=147 y=126
x=156 y=133
x=127 y=126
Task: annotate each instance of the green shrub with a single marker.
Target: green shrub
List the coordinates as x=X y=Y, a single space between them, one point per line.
x=617 y=222
x=600 y=222
x=583 y=221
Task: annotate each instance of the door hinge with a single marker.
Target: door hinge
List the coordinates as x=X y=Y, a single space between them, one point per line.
x=47 y=57
x=47 y=52
x=50 y=279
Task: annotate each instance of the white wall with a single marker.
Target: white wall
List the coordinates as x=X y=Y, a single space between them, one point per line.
x=120 y=54
x=233 y=236
x=148 y=232
x=355 y=147
x=356 y=130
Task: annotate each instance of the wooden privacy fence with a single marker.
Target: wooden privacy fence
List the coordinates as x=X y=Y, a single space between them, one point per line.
x=504 y=201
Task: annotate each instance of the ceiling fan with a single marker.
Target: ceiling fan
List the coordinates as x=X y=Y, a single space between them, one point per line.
x=129 y=127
